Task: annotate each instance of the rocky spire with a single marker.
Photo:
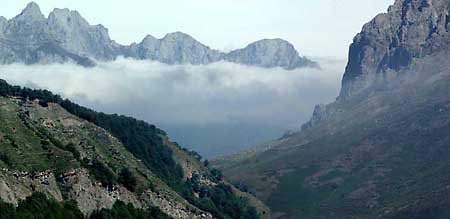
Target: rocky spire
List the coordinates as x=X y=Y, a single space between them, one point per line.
x=30 y=13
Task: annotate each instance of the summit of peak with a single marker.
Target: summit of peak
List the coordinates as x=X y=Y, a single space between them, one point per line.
x=31 y=11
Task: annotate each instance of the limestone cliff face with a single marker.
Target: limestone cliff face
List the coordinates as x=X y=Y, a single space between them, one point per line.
x=410 y=29
x=391 y=42
x=65 y=36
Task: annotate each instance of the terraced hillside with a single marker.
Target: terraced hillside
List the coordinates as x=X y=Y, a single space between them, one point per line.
x=68 y=152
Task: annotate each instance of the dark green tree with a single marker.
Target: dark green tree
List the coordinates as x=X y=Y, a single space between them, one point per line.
x=100 y=171
x=127 y=179
x=7 y=211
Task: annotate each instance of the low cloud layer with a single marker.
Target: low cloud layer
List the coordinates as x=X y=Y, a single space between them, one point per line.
x=214 y=108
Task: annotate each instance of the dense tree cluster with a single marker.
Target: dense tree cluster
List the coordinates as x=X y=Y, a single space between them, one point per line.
x=38 y=206
x=101 y=172
x=121 y=210
x=5 y=158
x=220 y=200
x=193 y=154
x=127 y=179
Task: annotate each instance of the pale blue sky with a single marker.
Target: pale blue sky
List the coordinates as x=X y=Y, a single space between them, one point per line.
x=315 y=27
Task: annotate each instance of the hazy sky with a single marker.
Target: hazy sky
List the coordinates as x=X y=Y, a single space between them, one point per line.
x=315 y=27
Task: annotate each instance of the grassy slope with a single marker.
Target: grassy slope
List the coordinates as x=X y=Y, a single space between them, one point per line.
x=384 y=155
x=25 y=148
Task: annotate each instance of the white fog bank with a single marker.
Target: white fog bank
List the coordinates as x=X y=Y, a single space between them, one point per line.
x=214 y=109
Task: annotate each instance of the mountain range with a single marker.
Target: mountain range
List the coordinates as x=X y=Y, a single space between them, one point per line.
x=66 y=36
x=381 y=150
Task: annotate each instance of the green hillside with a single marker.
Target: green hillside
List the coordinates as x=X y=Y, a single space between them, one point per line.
x=68 y=152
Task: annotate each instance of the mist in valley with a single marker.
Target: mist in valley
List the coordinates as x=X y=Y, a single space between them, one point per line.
x=215 y=109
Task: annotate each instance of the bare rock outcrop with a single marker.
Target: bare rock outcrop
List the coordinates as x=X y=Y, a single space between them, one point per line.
x=17 y=185
x=410 y=29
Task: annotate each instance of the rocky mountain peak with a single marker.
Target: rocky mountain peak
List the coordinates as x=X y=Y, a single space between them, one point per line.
x=410 y=29
x=175 y=48
x=31 y=12
x=178 y=36
x=276 y=41
x=273 y=46
x=67 y=18
x=148 y=41
x=270 y=53
x=3 y=22
x=149 y=38
x=75 y=34
x=184 y=40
